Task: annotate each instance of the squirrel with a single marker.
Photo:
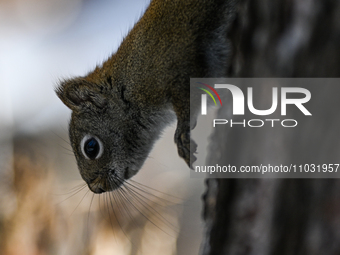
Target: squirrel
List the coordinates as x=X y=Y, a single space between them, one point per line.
x=120 y=108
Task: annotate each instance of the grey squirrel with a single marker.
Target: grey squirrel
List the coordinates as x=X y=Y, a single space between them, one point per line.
x=120 y=108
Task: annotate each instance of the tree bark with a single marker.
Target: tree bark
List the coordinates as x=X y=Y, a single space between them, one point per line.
x=286 y=38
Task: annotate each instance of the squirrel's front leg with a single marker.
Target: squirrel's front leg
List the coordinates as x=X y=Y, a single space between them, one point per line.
x=185 y=145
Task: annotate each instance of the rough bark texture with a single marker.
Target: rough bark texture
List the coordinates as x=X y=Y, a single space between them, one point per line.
x=281 y=38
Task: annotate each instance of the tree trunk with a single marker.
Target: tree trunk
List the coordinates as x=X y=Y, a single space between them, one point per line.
x=287 y=38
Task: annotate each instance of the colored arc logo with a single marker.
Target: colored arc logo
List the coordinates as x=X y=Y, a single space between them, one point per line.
x=208 y=92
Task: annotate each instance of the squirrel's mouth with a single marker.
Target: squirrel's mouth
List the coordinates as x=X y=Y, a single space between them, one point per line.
x=96 y=188
x=104 y=184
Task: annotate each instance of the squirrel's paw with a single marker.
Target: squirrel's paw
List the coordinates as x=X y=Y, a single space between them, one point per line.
x=185 y=145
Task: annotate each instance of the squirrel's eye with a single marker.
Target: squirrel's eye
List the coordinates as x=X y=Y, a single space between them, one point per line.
x=91 y=147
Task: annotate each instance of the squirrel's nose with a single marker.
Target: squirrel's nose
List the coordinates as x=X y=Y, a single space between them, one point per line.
x=96 y=188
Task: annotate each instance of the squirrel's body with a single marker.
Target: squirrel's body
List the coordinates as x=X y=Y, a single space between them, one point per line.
x=120 y=109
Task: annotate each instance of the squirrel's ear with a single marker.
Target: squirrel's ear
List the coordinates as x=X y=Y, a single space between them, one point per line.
x=79 y=93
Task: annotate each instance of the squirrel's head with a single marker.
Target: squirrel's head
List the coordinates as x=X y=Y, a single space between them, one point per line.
x=110 y=137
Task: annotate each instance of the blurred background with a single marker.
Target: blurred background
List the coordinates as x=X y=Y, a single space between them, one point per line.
x=45 y=208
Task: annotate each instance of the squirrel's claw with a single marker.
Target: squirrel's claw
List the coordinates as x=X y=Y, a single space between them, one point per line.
x=185 y=145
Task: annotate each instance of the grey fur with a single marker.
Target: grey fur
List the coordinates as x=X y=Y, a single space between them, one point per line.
x=127 y=101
